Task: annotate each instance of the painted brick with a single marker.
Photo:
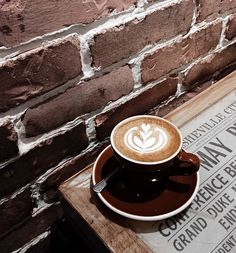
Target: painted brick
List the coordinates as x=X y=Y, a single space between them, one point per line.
x=45 y=155
x=33 y=227
x=213 y=8
x=126 y=40
x=77 y=101
x=38 y=71
x=8 y=140
x=204 y=69
x=140 y=104
x=168 y=58
x=230 y=32
x=15 y=210
x=19 y=22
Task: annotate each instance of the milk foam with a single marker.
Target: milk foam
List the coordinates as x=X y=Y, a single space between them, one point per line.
x=145 y=138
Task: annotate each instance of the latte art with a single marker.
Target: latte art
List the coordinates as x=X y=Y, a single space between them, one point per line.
x=145 y=138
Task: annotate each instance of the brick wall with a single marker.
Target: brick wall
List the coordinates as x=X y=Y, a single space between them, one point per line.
x=71 y=70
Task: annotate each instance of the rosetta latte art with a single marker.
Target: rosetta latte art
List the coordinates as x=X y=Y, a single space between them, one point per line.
x=145 y=138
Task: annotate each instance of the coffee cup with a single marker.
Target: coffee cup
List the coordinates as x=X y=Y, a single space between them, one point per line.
x=149 y=148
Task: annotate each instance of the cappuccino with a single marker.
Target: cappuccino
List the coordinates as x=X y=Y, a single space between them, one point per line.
x=146 y=139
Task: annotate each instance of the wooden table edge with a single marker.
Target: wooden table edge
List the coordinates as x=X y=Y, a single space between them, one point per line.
x=179 y=117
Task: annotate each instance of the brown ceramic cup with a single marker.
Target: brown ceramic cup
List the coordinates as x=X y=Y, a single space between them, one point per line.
x=149 y=149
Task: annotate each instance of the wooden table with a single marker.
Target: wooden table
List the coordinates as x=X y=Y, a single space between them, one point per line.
x=104 y=230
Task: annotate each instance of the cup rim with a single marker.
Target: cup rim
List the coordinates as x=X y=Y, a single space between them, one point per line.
x=140 y=162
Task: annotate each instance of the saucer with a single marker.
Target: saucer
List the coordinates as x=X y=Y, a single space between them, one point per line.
x=169 y=198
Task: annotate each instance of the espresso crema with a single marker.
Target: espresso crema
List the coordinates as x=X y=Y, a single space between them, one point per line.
x=146 y=139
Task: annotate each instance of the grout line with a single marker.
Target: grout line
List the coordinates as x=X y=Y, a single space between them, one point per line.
x=195 y=14
x=32 y=242
x=222 y=36
x=90 y=130
x=86 y=58
x=136 y=72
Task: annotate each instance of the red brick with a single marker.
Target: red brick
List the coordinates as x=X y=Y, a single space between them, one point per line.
x=38 y=71
x=204 y=69
x=171 y=57
x=180 y=100
x=8 y=140
x=69 y=168
x=23 y=20
x=15 y=210
x=126 y=40
x=42 y=246
x=51 y=196
x=140 y=104
x=45 y=155
x=214 y=8
x=77 y=101
x=230 y=32
x=38 y=224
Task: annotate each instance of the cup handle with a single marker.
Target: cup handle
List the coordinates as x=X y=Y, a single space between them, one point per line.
x=186 y=163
